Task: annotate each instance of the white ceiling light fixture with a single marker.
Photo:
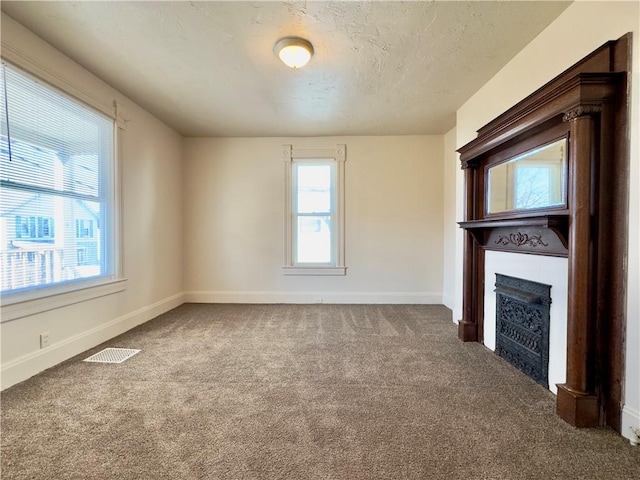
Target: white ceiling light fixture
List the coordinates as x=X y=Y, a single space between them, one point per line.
x=295 y=52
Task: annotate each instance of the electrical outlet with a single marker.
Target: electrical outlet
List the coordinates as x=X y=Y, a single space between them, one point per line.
x=44 y=339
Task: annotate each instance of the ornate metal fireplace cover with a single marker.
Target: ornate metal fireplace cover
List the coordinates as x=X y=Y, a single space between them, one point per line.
x=522 y=325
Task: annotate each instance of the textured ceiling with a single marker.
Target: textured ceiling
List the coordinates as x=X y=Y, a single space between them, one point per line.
x=208 y=68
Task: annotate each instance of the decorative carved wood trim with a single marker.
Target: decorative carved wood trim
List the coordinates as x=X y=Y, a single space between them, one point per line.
x=581 y=111
x=466 y=164
x=520 y=239
x=588 y=105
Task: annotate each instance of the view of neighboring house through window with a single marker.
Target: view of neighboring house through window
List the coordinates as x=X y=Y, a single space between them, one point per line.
x=56 y=184
x=34 y=227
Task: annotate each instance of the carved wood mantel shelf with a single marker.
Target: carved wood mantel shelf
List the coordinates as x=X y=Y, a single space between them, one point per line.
x=540 y=234
x=583 y=113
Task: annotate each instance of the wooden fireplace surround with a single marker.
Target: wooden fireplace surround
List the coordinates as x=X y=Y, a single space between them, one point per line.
x=587 y=105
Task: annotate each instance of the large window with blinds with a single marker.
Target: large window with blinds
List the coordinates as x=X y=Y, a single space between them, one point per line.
x=56 y=189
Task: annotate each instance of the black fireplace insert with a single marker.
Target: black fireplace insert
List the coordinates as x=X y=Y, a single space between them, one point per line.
x=522 y=325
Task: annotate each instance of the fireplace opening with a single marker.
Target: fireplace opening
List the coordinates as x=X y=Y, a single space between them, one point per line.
x=522 y=325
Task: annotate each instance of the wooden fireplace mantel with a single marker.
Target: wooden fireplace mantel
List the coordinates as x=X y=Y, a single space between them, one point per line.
x=586 y=107
x=539 y=234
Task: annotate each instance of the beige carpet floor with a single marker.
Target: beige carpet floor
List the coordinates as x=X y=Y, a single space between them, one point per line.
x=298 y=392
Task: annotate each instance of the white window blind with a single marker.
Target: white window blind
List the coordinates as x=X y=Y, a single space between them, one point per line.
x=56 y=187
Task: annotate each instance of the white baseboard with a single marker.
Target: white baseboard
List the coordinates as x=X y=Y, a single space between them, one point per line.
x=33 y=363
x=449 y=302
x=315 y=297
x=630 y=421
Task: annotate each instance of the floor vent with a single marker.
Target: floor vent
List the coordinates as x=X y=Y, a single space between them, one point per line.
x=112 y=355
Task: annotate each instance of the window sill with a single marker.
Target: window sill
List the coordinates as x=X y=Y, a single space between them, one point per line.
x=315 y=271
x=14 y=308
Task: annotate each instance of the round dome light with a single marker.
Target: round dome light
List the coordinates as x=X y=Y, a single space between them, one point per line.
x=295 y=52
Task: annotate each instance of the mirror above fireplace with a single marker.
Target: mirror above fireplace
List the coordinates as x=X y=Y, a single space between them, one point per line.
x=532 y=180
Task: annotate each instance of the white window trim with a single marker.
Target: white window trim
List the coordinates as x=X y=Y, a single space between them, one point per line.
x=22 y=60
x=289 y=156
x=24 y=304
x=56 y=297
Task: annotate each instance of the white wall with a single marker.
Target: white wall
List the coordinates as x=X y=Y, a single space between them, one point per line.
x=450 y=228
x=152 y=226
x=234 y=221
x=579 y=30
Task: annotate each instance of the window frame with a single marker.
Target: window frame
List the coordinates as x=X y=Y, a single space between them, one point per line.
x=30 y=302
x=335 y=157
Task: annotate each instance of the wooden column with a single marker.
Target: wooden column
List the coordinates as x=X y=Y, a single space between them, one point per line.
x=577 y=402
x=468 y=326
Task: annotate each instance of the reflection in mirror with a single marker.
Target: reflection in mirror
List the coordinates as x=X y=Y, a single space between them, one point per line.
x=535 y=179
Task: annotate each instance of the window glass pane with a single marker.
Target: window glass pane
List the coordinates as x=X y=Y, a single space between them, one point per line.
x=56 y=183
x=44 y=235
x=314 y=188
x=313 y=239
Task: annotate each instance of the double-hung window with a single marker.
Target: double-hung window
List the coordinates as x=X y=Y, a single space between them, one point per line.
x=57 y=207
x=314 y=211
